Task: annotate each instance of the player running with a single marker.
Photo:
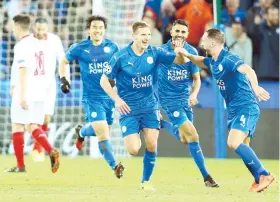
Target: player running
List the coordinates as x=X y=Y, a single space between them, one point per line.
x=93 y=55
x=134 y=69
x=28 y=94
x=53 y=52
x=176 y=99
x=238 y=85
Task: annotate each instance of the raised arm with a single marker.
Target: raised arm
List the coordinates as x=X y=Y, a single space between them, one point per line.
x=198 y=60
x=261 y=93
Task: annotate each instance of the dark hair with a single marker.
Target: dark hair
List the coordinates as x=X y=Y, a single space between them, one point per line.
x=22 y=20
x=181 y=22
x=139 y=24
x=216 y=34
x=41 y=20
x=96 y=18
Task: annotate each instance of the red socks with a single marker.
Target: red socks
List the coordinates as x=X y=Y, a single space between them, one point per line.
x=37 y=146
x=40 y=136
x=18 y=142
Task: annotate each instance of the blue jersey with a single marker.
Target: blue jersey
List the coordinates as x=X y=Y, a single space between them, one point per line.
x=173 y=80
x=135 y=76
x=93 y=61
x=234 y=86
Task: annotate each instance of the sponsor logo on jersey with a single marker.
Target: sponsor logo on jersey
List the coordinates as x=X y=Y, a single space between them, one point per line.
x=221 y=84
x=99 y=67
x=177 y=74
x=142 y=81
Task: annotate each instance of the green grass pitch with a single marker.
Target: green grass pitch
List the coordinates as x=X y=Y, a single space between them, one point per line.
x=175 y=179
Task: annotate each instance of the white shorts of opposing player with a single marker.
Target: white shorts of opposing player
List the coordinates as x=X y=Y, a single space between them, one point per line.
x=34 y=114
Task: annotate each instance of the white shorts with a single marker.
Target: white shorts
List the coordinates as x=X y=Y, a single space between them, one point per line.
x=50 y=99
x=34 y=114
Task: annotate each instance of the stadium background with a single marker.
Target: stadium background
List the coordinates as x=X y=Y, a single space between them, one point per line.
x=176 y=179
x=67 y=19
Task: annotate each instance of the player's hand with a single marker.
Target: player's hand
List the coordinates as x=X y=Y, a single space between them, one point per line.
x=178 y=42
x=122 y=106
x=261 y=93
x=65 y=85
x=181 y=51
x=192 y=100
x=23 y=104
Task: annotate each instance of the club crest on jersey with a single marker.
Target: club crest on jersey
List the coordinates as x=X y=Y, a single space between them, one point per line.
x=107 y=49
x=150 y=60
x=220 y=67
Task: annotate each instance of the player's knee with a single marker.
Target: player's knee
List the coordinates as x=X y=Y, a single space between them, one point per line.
x=232 y=144
x=133 y=151
x=152 y=146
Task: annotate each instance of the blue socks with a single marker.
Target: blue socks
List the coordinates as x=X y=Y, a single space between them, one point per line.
x=256 y=176
x=106 y=150
x=87 y=130
x=171 y=128
x=149 y=161
x=251 y=160
x=197 y=154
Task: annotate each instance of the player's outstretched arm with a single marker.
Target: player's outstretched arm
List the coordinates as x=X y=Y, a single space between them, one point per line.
x=64 y=75
x=198 y=60
x=261 y=93
x=195 y=89
x=120 y=104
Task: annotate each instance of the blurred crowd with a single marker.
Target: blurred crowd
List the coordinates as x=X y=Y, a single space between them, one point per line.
x=251 y=26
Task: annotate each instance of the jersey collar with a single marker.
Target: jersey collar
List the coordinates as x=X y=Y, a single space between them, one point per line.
x=102 y=43
x=131 y=52
x=222 y=54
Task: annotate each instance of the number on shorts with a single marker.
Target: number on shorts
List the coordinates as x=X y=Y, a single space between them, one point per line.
x=242 y=120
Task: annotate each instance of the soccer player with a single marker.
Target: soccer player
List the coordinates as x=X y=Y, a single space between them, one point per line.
x=238 y=85
x=176 y=99
x=53 y=52
x=134 y=69
x=93 y=55
x=28 y=94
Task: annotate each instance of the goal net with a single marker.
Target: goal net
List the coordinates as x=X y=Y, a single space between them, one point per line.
x=66 y=19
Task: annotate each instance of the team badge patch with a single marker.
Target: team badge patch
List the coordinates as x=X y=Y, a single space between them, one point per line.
x=107 y=49
x=176 y=114
x=93 y=114
x=220 y=67
x=124 y=129
x=150 y=60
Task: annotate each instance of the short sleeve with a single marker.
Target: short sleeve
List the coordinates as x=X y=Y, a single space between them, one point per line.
x=59 y=49
x=113 y=68
x=164 y=56
x=20 y=58
x=72 y=53
x=207 y=62
x=233 y=62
